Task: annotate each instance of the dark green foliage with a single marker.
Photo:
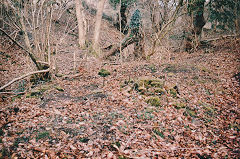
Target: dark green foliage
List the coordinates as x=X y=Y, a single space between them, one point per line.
x=225 y=12
x=84 y=140
x=4 y=152
x=1 y=132
x=196 y=6
x=20 y=140
x=122 y=157
x=42 y=135
x=135 y=22
x=159 y=133
x=16 y=109
x=103 y=73
x=196 y=10
x=114 y=3
x=154 y=101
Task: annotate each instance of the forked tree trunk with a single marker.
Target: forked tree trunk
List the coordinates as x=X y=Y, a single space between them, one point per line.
x=80 y=17
x=98 y=24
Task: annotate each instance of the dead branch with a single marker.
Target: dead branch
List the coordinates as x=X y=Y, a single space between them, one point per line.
x=23 y=76
x=164 y=30
x=114 y=49
x=12 y=93
x=221 y=37
x=19 y=45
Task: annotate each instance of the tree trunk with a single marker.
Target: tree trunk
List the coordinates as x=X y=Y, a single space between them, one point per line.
x=137 y=40
x=122 y=19
x=98 y=24
x=198 y=18
x=80 y=17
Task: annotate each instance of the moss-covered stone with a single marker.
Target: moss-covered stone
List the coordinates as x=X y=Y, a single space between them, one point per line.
x=157 y=83
x=173 y=92
x=104 y=73
x=42 y=135
x=191 y=113
x=159 y=91
x=142 y=90
x=39 y=90
x=150 y=82
x=179 y=105
x=154 y=101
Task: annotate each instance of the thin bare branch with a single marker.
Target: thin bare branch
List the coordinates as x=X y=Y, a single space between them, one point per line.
x=23 y=76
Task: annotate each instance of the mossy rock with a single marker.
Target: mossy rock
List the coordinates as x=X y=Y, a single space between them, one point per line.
x=156 y=83
x=150 y=82
x=179 y=105
x=38 y=91
x=154 y=101
x=59 y=75
x=191 y=113
x=173 y=92
x=170 y=68
x=104 y=73
x=142 y=90
x=159 y=91
x=42 y=135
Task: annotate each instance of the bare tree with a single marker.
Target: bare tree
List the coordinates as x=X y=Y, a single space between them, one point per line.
x=98 y=21
x=166 y=27
x=80 y=19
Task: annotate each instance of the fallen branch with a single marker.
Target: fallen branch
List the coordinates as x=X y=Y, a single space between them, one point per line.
x=23 y=76
x=19 y=45
x=114 y=49
x=220 y=38
x=12 y=93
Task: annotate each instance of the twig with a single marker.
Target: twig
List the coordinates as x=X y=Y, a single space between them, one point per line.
x=23 y=76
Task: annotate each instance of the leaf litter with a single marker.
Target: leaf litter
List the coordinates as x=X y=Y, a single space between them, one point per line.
x=194 y=113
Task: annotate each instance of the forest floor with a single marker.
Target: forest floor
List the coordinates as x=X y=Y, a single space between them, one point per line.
x=180 y=106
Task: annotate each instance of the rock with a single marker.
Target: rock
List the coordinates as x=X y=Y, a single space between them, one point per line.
x=154 y=101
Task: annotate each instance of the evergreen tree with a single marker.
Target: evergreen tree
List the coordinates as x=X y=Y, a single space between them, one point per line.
x=225 y=14
x=135 y=22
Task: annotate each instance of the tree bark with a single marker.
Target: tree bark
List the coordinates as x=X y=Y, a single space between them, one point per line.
x=98 y=24
x=80 y=17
